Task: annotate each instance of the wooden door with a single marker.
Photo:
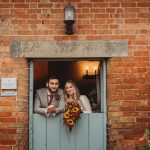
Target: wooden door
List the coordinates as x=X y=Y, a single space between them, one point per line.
x=50 y=133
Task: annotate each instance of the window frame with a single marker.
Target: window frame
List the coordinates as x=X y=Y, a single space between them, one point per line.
x=103 y=96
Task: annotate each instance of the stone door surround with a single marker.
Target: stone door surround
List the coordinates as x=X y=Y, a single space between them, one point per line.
x=69 y=49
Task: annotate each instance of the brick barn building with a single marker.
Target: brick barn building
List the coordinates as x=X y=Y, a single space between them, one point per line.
x=28 y=22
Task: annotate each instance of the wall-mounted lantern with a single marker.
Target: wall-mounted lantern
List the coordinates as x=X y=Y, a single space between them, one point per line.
x=69 y=11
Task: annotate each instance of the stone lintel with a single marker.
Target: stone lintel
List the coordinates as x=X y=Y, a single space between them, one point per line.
x=69 y=49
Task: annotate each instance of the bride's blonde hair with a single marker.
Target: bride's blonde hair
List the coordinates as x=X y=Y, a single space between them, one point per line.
x=76 y=94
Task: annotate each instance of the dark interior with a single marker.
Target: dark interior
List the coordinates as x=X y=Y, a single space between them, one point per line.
x=85 y=73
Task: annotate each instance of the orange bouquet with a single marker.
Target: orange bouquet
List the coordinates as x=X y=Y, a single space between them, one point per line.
x=71 y=114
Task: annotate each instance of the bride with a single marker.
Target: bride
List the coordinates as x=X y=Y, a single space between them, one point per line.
x=72 y=94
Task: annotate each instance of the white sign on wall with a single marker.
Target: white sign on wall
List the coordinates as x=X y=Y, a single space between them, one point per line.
x=8 y=86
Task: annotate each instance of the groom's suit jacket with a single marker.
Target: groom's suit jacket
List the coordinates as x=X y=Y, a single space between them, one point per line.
x=42 y=101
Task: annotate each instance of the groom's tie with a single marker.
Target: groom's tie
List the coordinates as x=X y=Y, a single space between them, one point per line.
x=51 y=99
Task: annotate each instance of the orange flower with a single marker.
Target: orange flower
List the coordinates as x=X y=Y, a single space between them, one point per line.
x=75 y=109
x=66 y=115
x=70 y=122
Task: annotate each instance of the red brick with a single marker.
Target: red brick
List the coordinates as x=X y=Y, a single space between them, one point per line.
x=85 y=16
x=105 y=32
x=7 y=131
x=110 y=10
x=143 y=108
x=100 y=21
x=85 y=26
x=33 y=5
x=101 y=26
x=128 y=108
x=134 y=103
x=144 y=20
x=5 y=1
x=128 y=4
x=50 y=21
x=8 y=119
x=132 y=10
x=144 y=31
x=33 y=16
x=119 y=10
x=6 y=5
x=33 y=1
x=5 y=114
x=127 y=142
x=8 y=142
x=21 y=5
x=97 y=10
x=114 y=26
x=103 y=1
x=22 y=120
x=130 y=92
x=144 y=4
x=17 y=1
x=114 y=4
x=115 y=15
x=143 y=114
x=24 y=32
x=57 y=10
x=100 y=5
x=141 y=42
x=19 y=22
x=5 y=148
x=93 y=31
x=131 y=20
x=144 y=15
x=101 y=16
x=128 y=15
x=21 y=15
x=5 y=103
x=131 y=147
x=130 y=114
x=143 y=119
x=45 y=5
x=34 y=11
x=85 y=10
x=61 y=0
x=34 y=21
x=83 y=5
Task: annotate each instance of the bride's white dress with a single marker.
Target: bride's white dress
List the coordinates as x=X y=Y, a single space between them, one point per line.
x=85 y=106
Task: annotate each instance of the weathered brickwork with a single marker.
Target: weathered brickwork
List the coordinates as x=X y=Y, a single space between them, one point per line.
x=128 y=78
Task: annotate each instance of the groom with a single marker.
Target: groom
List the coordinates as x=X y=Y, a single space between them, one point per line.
x=49 y=101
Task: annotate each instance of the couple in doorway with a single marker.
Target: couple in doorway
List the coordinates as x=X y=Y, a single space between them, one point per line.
x=50 y=101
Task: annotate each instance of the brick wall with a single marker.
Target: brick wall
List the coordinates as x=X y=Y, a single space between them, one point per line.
x=128 y=79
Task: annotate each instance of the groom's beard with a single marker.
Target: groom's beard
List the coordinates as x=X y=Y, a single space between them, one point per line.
x=53 y=90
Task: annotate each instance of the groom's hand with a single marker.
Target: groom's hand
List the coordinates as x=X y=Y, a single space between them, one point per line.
x=51 y=109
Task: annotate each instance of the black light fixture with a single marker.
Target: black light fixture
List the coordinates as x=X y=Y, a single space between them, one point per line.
x=88 y=76
x=69 y=11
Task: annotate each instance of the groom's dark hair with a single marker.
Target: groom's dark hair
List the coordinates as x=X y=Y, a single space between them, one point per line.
x=53 y=77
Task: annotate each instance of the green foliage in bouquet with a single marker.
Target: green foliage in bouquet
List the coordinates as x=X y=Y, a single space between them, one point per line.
x=146 y=137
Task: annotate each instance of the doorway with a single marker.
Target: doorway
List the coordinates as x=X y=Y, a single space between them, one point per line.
x=90 y=76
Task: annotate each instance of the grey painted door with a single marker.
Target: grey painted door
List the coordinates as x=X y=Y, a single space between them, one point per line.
x=51 y=133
